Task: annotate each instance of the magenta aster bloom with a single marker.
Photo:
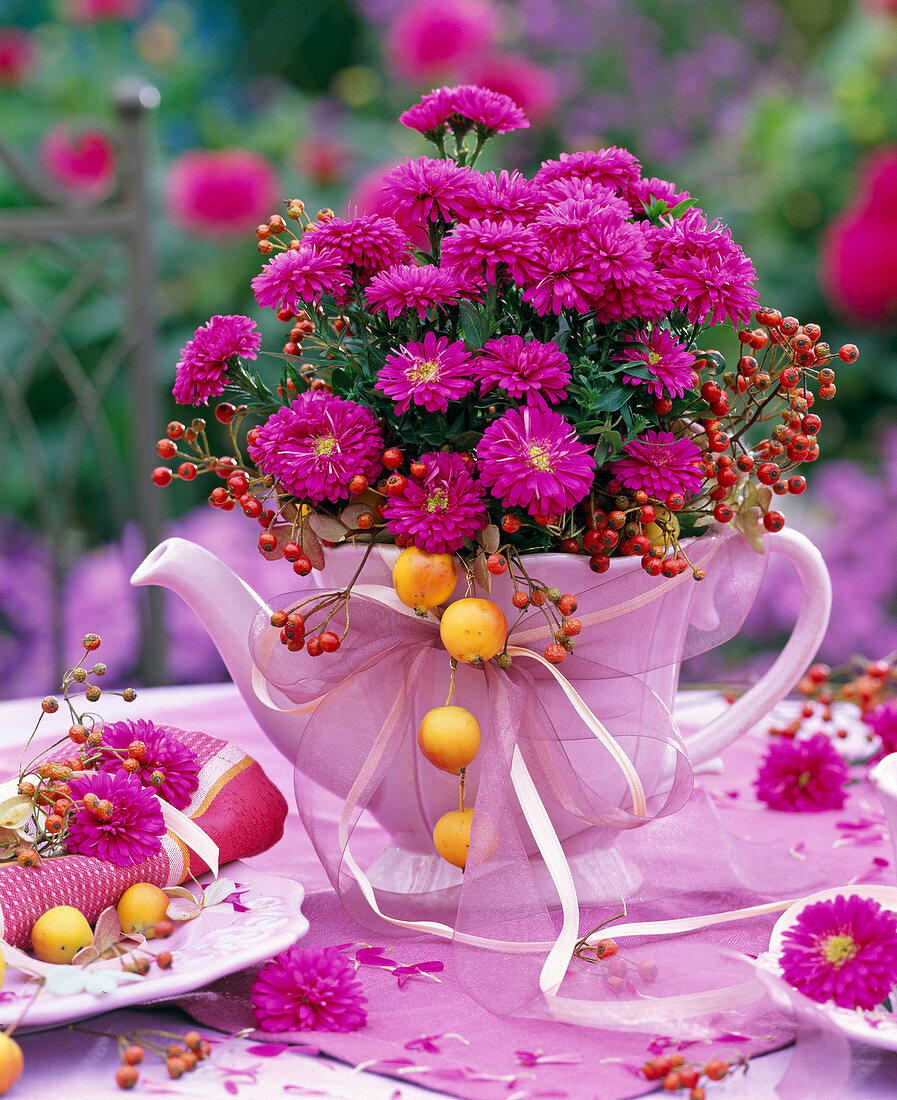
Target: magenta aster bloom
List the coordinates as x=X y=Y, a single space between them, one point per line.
x=618 y=250
x=614 y=167
x=521 y=367
x=582 y=187
x=410 y=287
x=366 y=244
x=131 y=834
x=882 y=721
x=562 y=278
x=201 y=372
x=479 y=248
x=490 y=112
x=801 y=776
x=659 y=463
x=164 y=753
x=669 y=362
x=425 y=190
x=842 y=950
x=299 y=275
x=508 y=196
x=565 y=220
x=308 y=989
x=429 y=374
x=430 y=115
x=532 y=458
x=644 y=192
x=316 y=445
x=441 y=510
x=713 y=288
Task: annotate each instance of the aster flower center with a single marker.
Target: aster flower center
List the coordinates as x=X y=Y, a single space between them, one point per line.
x=324 y=445
x=437 y=501
x=654 y=358
x=539 y=456
x=838 y=950
x=422 y=370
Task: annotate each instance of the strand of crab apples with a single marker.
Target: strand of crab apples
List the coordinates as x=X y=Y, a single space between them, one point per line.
x=473 y=630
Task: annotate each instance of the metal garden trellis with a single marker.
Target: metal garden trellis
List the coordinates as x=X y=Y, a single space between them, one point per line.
x=101 y=249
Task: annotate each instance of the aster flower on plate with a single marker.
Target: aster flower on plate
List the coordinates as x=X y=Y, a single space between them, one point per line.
x=442 y=509
x=843 y=950
x=201 y=372
x=308 y=989
x=315 y=445
x=159 y=750
x=131 y=831
x=531 y=458
x=659 y=464
x=802 y=775
x=429 y=374
x=668 y=362
x=523 y=367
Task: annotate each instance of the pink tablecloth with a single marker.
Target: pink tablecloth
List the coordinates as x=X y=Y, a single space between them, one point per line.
x=436 y=1036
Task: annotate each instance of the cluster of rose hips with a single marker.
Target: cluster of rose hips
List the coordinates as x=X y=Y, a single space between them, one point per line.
x=614 y=966
x=179 y=1058
x=292 y=634
x=53 y=806
x=559 y=607
x=675 y=1073
x=863 y=683
x=276 y=227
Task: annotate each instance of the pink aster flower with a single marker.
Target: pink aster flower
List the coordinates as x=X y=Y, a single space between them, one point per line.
x=308 y=989
x=659 y=463
x=130 y=835
x=316 y=445
x=523 y=367
x=367 y=243
x=882 y=721
x=614 y=167
x=164 y=753
x=201 y=372
x=508 y=196
x=644 y=192
x=98 y=11
x=429 y=38
x=430 y=115
x=532 y=458
x=427 y=190
x=801 y=776
x=441 y=510
x=565 y=220
x=842 y=950
x=220 y=192
x=81 y=161
x=479 y=249
x=669 y=362
x=490 y=112
x=618 y=249
x=300 y=275
x=18 y=56
x=561 y=278
x=429 y=374
x=410 y=287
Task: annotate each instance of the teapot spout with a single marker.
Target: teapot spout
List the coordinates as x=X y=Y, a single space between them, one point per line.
x=226 y=606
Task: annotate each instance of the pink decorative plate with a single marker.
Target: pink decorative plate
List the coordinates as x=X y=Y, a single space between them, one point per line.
x=265 y=919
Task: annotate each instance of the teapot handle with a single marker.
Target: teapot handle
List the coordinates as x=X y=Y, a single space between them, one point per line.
x=792 y=662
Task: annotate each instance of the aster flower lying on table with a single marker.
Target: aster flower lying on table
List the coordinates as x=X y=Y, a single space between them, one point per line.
x=103 y=798
x=491 y=353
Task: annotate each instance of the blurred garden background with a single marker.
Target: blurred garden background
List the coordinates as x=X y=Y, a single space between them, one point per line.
x=780 y=117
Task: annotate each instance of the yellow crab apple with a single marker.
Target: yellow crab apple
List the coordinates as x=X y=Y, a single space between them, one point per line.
x=449 y=737
x=423 y=580
x=451 y=836
x=473 y=630
x=60 y=933
x=141 y=907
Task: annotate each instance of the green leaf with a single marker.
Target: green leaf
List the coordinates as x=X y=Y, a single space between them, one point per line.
x=475 y=325
x=681 y=207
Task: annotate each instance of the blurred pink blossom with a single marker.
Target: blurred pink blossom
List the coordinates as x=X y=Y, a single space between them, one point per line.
x=324 y=160
x=857 y=265
x=431 y=39
x=531 y=86
x=97 y=11
x=18 y=55
x=82 y=161
x=221 y=193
